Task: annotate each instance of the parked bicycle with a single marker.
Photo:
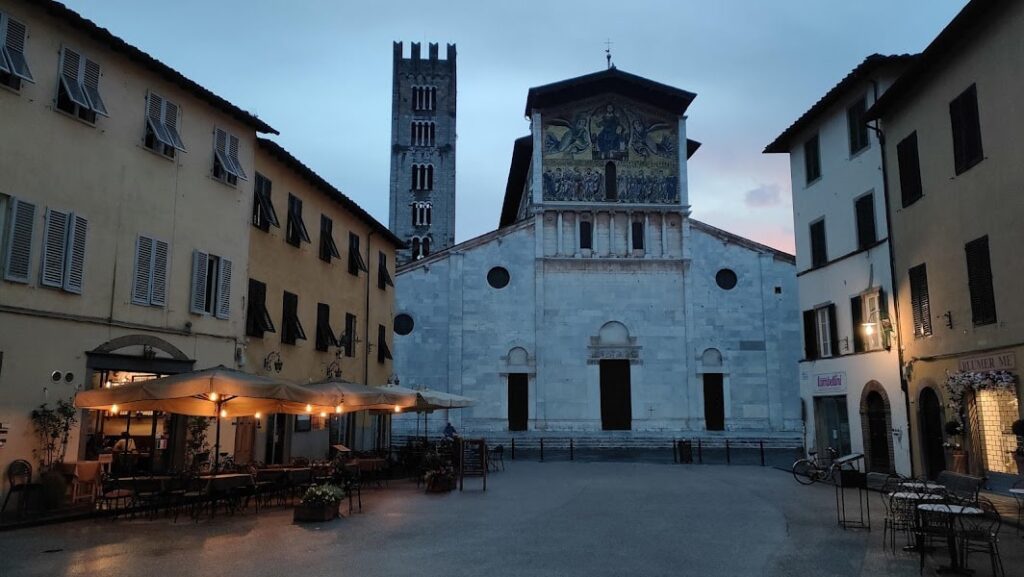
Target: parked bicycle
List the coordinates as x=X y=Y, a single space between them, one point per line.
x=811 y=470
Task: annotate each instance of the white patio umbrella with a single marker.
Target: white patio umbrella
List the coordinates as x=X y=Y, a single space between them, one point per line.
x=429 y=400
x=214 y=392
x=346 y=396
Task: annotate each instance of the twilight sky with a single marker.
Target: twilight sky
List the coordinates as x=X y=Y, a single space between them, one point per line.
x=320 y=72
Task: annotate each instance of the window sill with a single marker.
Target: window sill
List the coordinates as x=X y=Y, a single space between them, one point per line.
x=11 y=89
x=854 y=155
x=159 y=154
x=811 y=183
x=844 y=257
x=967 y=168
x=73 y=117
x=221 y=181
x=846 y=355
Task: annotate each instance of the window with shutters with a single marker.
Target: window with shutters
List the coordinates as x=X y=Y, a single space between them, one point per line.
x=63 y=262
x=291 y=328
x=328 y=249
x=324 y=333
x=257 y=317
x=812 y=159
x=78 y=91
x=211 y=285
x=871 y=320
x=910 y=170
x=819 y=250
x=966 y=125
x=638 y=235
x=348 y=340
x=355 y=256
x=17 y=225
x=263 y=213
x=226 y=166
x=162 y=117
x=824 y=332
x=856 y=126
x=13 y=64
x=149 y=283
x=864 y=208
x=979 y=281
x=920 y=305
x=295 y=229
x=586 y=234
x=383 y=276
x=383 y=351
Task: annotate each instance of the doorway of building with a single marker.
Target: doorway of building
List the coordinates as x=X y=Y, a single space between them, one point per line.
x=245 y=439
x=518 y=401
x=832 y=423
x=275 y=439
x=876 y=418
x=931 y=433
x=714 y=402
x=616 y=406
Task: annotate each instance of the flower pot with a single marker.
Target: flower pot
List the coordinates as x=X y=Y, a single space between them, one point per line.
x=53 y=490
x=956 y=461
x=1020 y=463
x=315 y=513
x=440 y=484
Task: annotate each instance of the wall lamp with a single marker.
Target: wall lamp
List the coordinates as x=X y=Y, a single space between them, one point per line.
x=949 y=319
x=273 y=360
x=334 y=370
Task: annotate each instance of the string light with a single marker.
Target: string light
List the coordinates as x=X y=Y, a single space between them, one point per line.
x=398 y=409
x=257 y=415
x=338 y=409
x=309 y=408
x=323 y=414
x=223 y=412
x=213 y=397
x=113 y=409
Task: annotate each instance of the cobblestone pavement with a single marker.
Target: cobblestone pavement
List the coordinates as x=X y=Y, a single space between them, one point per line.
x=535 y=519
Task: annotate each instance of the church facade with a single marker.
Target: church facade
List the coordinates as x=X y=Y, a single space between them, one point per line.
x=598 y=304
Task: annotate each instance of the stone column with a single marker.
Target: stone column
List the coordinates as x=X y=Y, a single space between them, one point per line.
x=629 y=233
x=664 y=231
x=558 y=234
x=611 y=233
x=576 y=238
x=647 y=234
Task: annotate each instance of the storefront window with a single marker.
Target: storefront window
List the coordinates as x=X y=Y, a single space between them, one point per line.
x=997 y=409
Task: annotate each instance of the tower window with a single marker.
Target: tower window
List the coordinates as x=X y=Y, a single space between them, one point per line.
x=423 y=134
x=423 y=177
x=586 y=234
x=611 y=189
x=421 y=213
x=424 y=98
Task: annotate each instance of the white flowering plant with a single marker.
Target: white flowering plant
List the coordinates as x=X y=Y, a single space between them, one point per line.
x=325 y=494
x=960 y=382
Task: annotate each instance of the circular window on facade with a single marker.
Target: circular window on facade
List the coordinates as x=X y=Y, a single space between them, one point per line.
x=403 y=324
x=726 y=279
x=498 y=277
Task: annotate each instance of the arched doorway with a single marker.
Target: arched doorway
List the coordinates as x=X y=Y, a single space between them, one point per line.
x=931 y=432
x=875 y=417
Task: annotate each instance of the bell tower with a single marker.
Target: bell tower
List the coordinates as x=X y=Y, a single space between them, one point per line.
x=422 y=207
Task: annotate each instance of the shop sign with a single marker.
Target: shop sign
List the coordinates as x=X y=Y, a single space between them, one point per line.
x=999 y=362
x=828 y=383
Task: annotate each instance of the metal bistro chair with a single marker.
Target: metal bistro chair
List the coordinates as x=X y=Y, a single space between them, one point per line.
x=19 y=480
x=1019 y=486
x=980 y=534
x=496 y=458
x=899 y=517
x=114 y=497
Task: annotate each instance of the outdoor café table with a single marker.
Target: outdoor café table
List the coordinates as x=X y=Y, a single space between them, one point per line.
x=913 y=498
x=222 y=484
x=950 y=512
x=927 y=486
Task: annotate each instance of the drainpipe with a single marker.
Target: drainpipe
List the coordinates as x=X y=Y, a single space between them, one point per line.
x=892 y=275
x=366 y=329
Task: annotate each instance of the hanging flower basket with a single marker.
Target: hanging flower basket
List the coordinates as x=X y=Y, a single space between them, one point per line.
x=960 y=382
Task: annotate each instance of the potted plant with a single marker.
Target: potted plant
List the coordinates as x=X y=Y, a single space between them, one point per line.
x=439 y=474
x=1018 y=454
x=956 y=458
x=195 y=442
x=53 y=430
x=320 y=503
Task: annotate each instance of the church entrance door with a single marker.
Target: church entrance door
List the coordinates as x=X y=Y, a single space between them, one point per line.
x=518 y=401
x=714 y=402
x=616 y=407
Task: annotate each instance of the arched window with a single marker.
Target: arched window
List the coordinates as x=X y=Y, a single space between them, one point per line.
x=427 y=209
x=430 y=177
x=415 y=176
x=432 y=134
x=426 y=247
x=415 y=247
x=611 y=191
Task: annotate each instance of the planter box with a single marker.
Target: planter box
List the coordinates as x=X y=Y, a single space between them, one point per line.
x=315 y=513
x=440 y=485
x=956 y=461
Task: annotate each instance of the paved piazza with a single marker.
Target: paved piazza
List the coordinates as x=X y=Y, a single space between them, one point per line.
x=536 y=519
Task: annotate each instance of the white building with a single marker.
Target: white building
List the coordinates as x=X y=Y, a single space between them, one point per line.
x=598 y=303
x=849 y=376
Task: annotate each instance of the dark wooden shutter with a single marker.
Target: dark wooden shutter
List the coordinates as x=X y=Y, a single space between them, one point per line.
x=819 y=251
x=963 y=116
x=910 y=170
x=350 y=334
x=324 y=334
x=919 y=301
x=883 y=315
x=289 y=308
x=518 y=401
x=857 y=316
x=866 y=233
x=256 y=305
x=833 y=330
x=810 y=335
x=858 y=129
x=979 y=281
x=812 y=159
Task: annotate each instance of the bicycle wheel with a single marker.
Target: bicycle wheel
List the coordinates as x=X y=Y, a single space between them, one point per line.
x=804 y=472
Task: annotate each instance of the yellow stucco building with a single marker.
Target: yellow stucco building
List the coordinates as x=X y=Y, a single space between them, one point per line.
x=321 y=302
x=951 y=125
